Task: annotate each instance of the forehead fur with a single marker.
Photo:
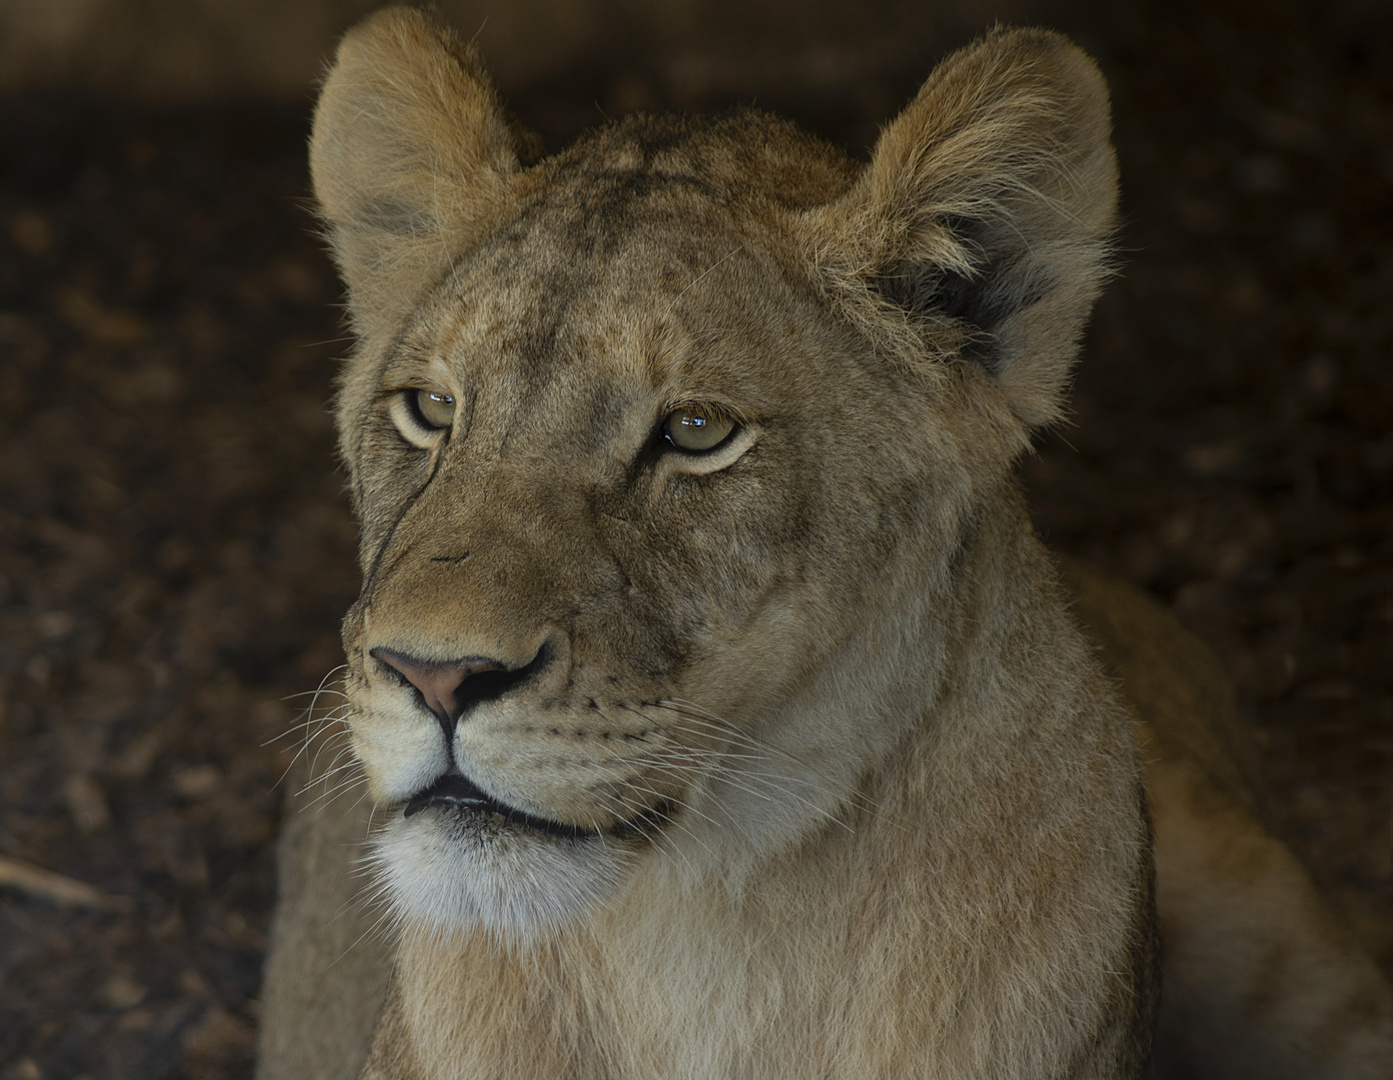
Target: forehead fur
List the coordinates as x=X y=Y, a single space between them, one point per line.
x=742 y=158
x=647 y=244
x=653 y=202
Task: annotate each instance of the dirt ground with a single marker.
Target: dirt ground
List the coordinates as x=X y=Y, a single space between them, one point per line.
x=176 y=549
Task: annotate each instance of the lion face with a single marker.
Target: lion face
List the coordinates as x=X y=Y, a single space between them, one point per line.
x=621 y=508
x=665 y=450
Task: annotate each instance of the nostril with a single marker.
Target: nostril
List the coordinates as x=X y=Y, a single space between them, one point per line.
x=449 y=688
x=439 y=683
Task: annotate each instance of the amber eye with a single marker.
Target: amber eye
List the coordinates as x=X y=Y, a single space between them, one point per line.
x=697 y=429
x=432 y=408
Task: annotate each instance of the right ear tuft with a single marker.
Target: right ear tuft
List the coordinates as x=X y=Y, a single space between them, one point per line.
x=411 y=156
x=986 y=212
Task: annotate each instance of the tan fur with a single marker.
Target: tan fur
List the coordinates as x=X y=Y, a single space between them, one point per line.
x=848 y=793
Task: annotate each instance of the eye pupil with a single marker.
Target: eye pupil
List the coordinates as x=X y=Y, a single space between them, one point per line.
x=696 y=430
x=436 y=410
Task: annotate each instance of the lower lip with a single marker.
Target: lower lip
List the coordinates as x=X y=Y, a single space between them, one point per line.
x=458 y=793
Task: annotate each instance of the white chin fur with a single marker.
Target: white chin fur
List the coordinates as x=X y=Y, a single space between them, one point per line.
x=456 y=873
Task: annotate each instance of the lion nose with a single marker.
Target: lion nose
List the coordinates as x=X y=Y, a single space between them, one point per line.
x=443 y=685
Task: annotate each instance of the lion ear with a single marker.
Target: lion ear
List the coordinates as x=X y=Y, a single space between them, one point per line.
x=411 y=153
x=986 y=211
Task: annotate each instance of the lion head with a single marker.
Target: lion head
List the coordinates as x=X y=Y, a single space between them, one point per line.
x=667 y=450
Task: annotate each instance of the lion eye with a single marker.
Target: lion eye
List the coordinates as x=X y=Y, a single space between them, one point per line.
x=434 y=409
x=697 y=429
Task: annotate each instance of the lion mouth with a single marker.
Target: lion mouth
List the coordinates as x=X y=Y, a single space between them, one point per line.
x=456 y=792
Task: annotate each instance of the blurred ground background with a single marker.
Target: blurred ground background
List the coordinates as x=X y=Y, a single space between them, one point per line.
x=175 y=548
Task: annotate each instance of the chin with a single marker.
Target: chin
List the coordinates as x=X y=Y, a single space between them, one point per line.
x=448 y=870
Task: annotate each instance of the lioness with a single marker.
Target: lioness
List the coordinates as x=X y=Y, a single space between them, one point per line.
x=722 y=714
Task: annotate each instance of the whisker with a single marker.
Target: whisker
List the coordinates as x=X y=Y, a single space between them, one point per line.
x=330 y=796
x=314 y=727
x=322 y=780
x=704 y=719
x=735 y=770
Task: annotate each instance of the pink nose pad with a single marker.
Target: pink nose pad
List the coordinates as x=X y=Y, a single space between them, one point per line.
x=439 y=683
